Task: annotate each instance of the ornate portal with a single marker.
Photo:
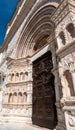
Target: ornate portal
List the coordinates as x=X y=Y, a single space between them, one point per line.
x=44 y=110
x=37 y=65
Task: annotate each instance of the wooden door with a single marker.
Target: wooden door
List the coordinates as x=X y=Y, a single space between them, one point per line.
x=44 y=109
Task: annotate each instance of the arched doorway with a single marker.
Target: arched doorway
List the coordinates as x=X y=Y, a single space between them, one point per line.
x=33 y=39
x=44 y=109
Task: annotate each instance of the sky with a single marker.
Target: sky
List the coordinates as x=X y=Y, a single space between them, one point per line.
x=7 y=8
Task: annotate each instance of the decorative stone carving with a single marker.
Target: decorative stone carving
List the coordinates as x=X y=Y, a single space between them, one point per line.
x=32 y=82
x=71 y=122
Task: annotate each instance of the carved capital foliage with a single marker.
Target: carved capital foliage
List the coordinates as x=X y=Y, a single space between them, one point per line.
x=67 y=63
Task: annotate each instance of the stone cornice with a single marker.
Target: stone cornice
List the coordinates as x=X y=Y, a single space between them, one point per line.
x=15 y=84
x=18 y=62
x=68 y=103
x=67 y=49
x=62 y=10
x=15 y=13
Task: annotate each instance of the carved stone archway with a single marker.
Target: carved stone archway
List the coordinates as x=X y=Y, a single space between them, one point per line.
x=35 y=30
x=34 y=41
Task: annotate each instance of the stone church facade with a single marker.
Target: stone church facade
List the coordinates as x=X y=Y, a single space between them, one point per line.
x=37 y=65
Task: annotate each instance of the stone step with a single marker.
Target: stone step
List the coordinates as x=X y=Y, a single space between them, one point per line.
x=16 y=126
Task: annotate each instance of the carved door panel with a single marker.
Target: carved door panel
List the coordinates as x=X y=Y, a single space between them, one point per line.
x=44 y=110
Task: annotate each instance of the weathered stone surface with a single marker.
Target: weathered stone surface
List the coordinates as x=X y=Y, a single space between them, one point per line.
x=39 y=27
x=12 y=126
